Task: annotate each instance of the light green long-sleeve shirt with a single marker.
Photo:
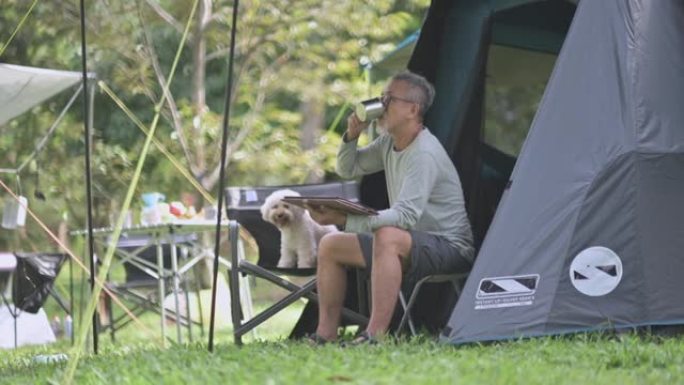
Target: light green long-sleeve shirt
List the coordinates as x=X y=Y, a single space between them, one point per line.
x=423 y=186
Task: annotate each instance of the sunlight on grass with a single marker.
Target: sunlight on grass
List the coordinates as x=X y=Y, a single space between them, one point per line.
x=277 y=327
x=268 y=357
x=582 y=359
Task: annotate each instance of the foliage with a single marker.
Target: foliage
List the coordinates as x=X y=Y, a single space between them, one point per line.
x=509 y=114
x=289 y=55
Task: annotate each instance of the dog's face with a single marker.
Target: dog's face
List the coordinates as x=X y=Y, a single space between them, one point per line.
x=280 y=213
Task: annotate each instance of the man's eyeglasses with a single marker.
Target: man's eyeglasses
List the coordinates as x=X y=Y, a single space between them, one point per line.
x=386 y=99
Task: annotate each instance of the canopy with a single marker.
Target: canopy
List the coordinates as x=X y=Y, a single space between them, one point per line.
x=24 y=87
x=395 y=60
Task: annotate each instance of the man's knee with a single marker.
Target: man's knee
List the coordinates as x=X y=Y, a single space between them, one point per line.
x=393 y=239
x=326 y=244
x=330 y=245
x=340 y=248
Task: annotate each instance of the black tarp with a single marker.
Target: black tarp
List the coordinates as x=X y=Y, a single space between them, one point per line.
x=34 y=277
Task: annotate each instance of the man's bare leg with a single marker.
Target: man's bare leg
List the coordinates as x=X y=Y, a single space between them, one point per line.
x=389 y=244
x=335 y=252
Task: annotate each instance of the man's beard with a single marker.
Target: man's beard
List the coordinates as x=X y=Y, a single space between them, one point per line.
x=380 y=128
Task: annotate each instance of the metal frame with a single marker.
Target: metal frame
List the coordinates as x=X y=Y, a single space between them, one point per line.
x=242 y=267
x=159 y=235
x=455 y=280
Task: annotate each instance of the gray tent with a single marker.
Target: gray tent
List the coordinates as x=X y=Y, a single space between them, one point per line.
x=480 y=54
x=589 y=234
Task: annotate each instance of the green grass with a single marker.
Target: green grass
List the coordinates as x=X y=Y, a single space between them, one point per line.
x=582 y=359
x=137 y=358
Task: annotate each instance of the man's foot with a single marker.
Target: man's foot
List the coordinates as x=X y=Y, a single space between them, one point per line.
x=364 y=338
x=315 y=339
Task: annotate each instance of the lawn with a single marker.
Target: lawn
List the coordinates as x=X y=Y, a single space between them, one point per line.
x=269 y=358
x=581 y=359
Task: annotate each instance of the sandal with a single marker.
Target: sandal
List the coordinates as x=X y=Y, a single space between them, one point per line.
x=315 y=339
x=363 y=338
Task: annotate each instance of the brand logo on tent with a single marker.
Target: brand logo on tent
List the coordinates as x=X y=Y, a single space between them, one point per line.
x=498 y=292
x=596 y=271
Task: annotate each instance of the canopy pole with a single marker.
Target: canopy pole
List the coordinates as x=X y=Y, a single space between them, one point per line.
x=87 y=121
x=21 y=23
x=224 y=148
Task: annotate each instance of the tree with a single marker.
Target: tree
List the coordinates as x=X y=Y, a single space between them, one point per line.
x=288 y=54
x=297 y=64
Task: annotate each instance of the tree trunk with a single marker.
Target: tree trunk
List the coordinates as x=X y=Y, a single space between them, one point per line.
x=199 y=53
x=313 y=115
x=199 y=59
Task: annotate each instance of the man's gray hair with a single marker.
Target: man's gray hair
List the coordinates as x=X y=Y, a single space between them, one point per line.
x=421 y=91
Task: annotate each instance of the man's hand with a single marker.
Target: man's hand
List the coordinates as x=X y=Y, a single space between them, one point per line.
x=355 y=127
x=327 y=216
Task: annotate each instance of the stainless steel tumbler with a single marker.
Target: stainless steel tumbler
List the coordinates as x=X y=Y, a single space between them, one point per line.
x=370 y=109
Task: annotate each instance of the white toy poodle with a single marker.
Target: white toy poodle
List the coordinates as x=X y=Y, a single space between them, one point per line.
x=299 y=233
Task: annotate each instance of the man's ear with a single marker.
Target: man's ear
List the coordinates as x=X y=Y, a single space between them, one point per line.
x=415 y=109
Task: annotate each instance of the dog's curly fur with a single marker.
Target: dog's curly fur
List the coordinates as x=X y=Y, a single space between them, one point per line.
x=299 y=233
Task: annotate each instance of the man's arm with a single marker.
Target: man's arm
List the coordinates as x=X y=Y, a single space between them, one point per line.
x=416 y=186
x=353 y=161
x=327 y=216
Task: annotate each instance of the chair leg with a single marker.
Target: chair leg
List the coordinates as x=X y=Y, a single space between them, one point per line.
x=455 y=281
x=234 y=281
x=198 y=291
x=406 y=317
x=110 y=314
x=246 y=308
x=258 y=319
x=408 y=306
x=188 y=312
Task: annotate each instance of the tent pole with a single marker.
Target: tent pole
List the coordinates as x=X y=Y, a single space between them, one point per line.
x=87 y=120
x=71 y=298
x=90 y=96
x=91 y=104
x=222 y=169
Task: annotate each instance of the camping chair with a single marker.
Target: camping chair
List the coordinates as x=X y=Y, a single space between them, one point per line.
x=420 y=310
x=243 y=209
x=144 y=286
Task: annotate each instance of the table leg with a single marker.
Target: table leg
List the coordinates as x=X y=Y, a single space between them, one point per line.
x=176 y=288
x=162 y=309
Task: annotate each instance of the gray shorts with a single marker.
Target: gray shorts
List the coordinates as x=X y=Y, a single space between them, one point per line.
x=430 y=254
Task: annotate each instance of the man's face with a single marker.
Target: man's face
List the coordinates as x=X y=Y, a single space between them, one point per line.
x=399 y=107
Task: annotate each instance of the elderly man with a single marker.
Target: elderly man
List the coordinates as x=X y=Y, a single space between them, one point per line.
x=425 y=231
